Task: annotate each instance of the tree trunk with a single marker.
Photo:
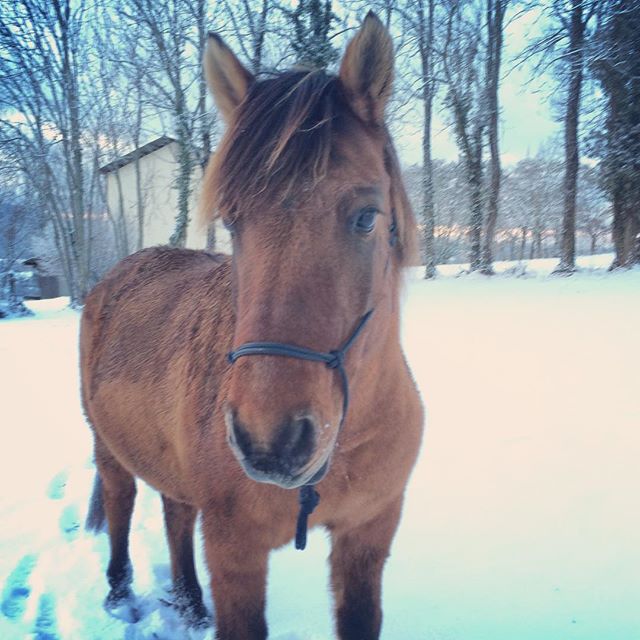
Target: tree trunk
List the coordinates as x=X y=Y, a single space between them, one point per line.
x=495 y=15
x=631 y=229
x=211 y=236
x=185 y=168
x=571 y=146
x=258 y=38
x=618 y=225
x=179 y=236
x=122 y=239
x=425 y=39
x=523 y=243
x=633 y=250
x=538 y=244
x=475 y=191
x=140 y=203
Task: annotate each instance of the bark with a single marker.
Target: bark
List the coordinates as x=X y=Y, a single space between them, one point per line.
x=205 y=134
x=631 y=230
x=211 y=236
x=140 y=202
x=618 y=225
x=185 y=167
x=122 y=240
x=635 y=257
x=538 y=244
x=571 y=147
x=425 y=39
x=495 y=16
x=258 y=38
x=523 y=243
x=474 y=172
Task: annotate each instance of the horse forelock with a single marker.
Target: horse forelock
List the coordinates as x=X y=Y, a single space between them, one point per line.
x=283 y=138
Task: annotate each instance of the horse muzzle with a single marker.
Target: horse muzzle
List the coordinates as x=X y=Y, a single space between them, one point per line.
x=288 y=461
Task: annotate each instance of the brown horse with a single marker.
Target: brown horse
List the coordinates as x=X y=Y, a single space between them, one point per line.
x=307 y=181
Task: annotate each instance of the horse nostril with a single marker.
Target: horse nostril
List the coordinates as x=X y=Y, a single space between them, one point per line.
x=296 y=441
x=242 y=439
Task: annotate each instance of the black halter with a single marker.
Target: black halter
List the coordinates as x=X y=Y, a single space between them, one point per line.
x=309 y=497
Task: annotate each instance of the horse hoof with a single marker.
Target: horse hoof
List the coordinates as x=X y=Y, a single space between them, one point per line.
x=122 y=604
x=196 y=616
x=192 y=611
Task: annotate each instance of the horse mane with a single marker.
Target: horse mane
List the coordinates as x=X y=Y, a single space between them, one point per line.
x=282 y=137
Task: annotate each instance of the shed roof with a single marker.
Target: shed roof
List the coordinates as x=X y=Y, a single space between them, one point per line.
x=140 y=152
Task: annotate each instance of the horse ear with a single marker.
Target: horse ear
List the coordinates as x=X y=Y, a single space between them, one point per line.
x=366 y=70
x=228 y=80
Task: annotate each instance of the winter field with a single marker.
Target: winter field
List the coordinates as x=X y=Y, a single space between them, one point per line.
x=522 y=516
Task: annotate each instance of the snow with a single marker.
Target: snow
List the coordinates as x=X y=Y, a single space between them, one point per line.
x=521 y=519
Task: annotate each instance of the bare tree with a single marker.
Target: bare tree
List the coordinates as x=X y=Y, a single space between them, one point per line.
x=42 y=65
x=425 y=32
x=574 y=22
x=312 y=22
x=417 y=27
x=616 y=63
x=568 y=30
x=248 y=25
x=495 y=10
x=170 y=30
x=461 y=57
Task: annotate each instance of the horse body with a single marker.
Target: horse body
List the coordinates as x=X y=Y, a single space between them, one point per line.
x=166 y=405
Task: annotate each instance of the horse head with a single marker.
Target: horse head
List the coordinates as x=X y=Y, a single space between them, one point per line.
x=307 y=181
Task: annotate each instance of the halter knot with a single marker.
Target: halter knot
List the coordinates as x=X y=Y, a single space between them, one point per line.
x=337 y=360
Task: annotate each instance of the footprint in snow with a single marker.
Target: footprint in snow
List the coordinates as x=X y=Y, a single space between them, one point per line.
x=57 y=486
x=46 y=627
x=16 y=590
x=70 y=522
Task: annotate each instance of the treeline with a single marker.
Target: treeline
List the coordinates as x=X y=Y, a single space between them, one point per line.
x=591 y=50
x=84 y=82
x=531 y=215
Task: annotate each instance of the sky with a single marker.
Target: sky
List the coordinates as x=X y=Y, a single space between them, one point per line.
x=527 y=120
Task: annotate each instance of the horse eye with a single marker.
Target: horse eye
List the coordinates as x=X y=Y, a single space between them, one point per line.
x=365 y=220
x=228 y=224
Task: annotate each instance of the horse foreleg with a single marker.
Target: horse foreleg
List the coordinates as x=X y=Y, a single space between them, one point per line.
x=179 y=519
x=238 y=565
x=357 y=559
x=118 y=492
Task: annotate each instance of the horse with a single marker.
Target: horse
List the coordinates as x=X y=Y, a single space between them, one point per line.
x=227 y=383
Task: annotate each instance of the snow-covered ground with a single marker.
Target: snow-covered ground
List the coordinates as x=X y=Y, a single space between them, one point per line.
x=522 y=517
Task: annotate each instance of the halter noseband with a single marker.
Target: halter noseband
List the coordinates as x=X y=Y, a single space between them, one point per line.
x=309 y=497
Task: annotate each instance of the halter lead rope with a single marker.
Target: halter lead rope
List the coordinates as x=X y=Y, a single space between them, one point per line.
x=308 y=497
